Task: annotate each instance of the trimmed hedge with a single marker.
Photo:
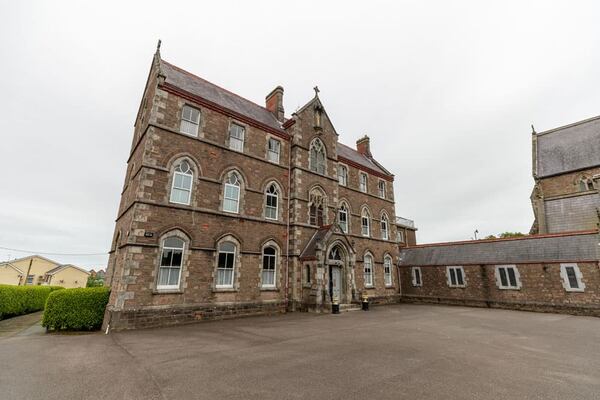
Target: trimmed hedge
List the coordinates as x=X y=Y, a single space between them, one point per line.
x=80 y=309
x=17 y=300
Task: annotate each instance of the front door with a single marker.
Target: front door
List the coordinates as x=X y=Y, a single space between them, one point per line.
x=336 y=283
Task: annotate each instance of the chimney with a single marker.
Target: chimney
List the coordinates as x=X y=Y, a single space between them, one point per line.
x=363 y=146
x=274 y=103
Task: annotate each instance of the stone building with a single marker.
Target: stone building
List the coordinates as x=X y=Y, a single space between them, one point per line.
x=229 y=208
x=566 y=170
x=557 y=268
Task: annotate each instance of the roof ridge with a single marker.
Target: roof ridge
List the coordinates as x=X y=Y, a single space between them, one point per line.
x=215 y=85
x=560 y=128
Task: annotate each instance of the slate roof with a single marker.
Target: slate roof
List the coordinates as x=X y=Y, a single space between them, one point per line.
x=310 y=250
x=569 y=148
x=353 y=155
x=215 y=94
x=578 y=246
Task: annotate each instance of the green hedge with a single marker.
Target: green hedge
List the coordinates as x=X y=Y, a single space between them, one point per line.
x=76 y=309
x=17 y=300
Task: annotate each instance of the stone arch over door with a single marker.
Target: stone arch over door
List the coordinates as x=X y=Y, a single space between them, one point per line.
x=339 y=258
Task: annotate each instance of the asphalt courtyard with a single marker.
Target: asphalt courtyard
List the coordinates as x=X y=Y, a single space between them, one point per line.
x=390 y=352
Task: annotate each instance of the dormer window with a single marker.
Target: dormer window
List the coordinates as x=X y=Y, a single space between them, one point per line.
x=190 y=120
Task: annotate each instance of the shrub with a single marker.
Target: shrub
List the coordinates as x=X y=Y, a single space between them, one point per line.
x=76 y=309
x=17 y=300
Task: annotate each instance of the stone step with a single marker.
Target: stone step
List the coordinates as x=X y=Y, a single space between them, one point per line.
x=349 y=307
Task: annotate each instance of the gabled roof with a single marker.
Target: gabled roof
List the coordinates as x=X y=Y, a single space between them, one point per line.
x=322 y=235
x=28 y=257
x=7 y=264
x=65 y=266
x=197 y=86
x=361 y=159
x=569 y=148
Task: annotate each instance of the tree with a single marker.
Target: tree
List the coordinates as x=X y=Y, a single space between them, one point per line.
x=505 y=235
x=94 y=282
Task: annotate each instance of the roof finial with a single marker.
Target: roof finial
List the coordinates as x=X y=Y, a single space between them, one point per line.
x=158 y=46
x=533 y=132
x=316 y=88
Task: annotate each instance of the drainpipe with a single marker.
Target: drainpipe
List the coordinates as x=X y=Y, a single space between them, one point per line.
x=287 y=257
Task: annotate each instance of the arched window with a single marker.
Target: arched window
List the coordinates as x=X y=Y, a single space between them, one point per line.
x=181 y=188
x=171 y=261
x=586 y=184
x=231 y=197
x=385 y=234
x=342 y=175
x=316 y=208
x=343 y=217
x=365 y=222
x=335 y=254
x=269 y=258
x=317 y=157
x=226 y=265
x=190 y=120
x=272 y=202
x=368 y=270
x=387 y=270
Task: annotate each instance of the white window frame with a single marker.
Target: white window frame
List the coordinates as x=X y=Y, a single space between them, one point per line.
x=364 y=215
x=234 y=139
x=363 y=182
x=400 y=235
x=344 y=210
x=234 y=252
x=163 y=247
x=316 y=164
x=449 y=279
x=368 y=282
x=189 y=122
x=342 y=175
x=388 y=277
x=385 y=233
x=239 y=190
x=183 y=189
x=413 y=273
x=379 y=188
x=508 y=286
x=565 y=278
x=262 y=268
x=272 y=154
x=267 y=207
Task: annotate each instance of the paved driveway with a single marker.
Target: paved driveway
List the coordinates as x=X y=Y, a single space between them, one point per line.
x=391 y=352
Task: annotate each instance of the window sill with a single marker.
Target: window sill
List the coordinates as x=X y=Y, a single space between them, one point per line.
x=369 y=287
x=509 y=288
x=457 y=287
x=307 y=285
x=216 y=290
x=575 y=290
x=167 y=291
x=269 y=289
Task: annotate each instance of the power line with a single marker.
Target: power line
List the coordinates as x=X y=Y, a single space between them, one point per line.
x=53 y=254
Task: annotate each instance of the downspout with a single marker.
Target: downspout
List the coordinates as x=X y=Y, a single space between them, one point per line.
x=287 y=257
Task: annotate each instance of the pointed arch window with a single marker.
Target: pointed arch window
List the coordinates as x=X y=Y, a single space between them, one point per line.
x=385 y=234
x=586 y=184
x=190 y=121
x=387 y=270
x=316 y=208
x=317 y=157
x=272 y=202
x=226 y=265
x=368 y=270
x=365 y=222
x=181 y=188
x=269 y=263
x=335 y=254
x=343 y=217
x=171 y=261
x=231 y=197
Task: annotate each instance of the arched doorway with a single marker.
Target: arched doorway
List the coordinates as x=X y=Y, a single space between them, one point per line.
x=336 y=260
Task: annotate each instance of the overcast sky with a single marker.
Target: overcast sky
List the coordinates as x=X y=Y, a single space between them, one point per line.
x=447 y=91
